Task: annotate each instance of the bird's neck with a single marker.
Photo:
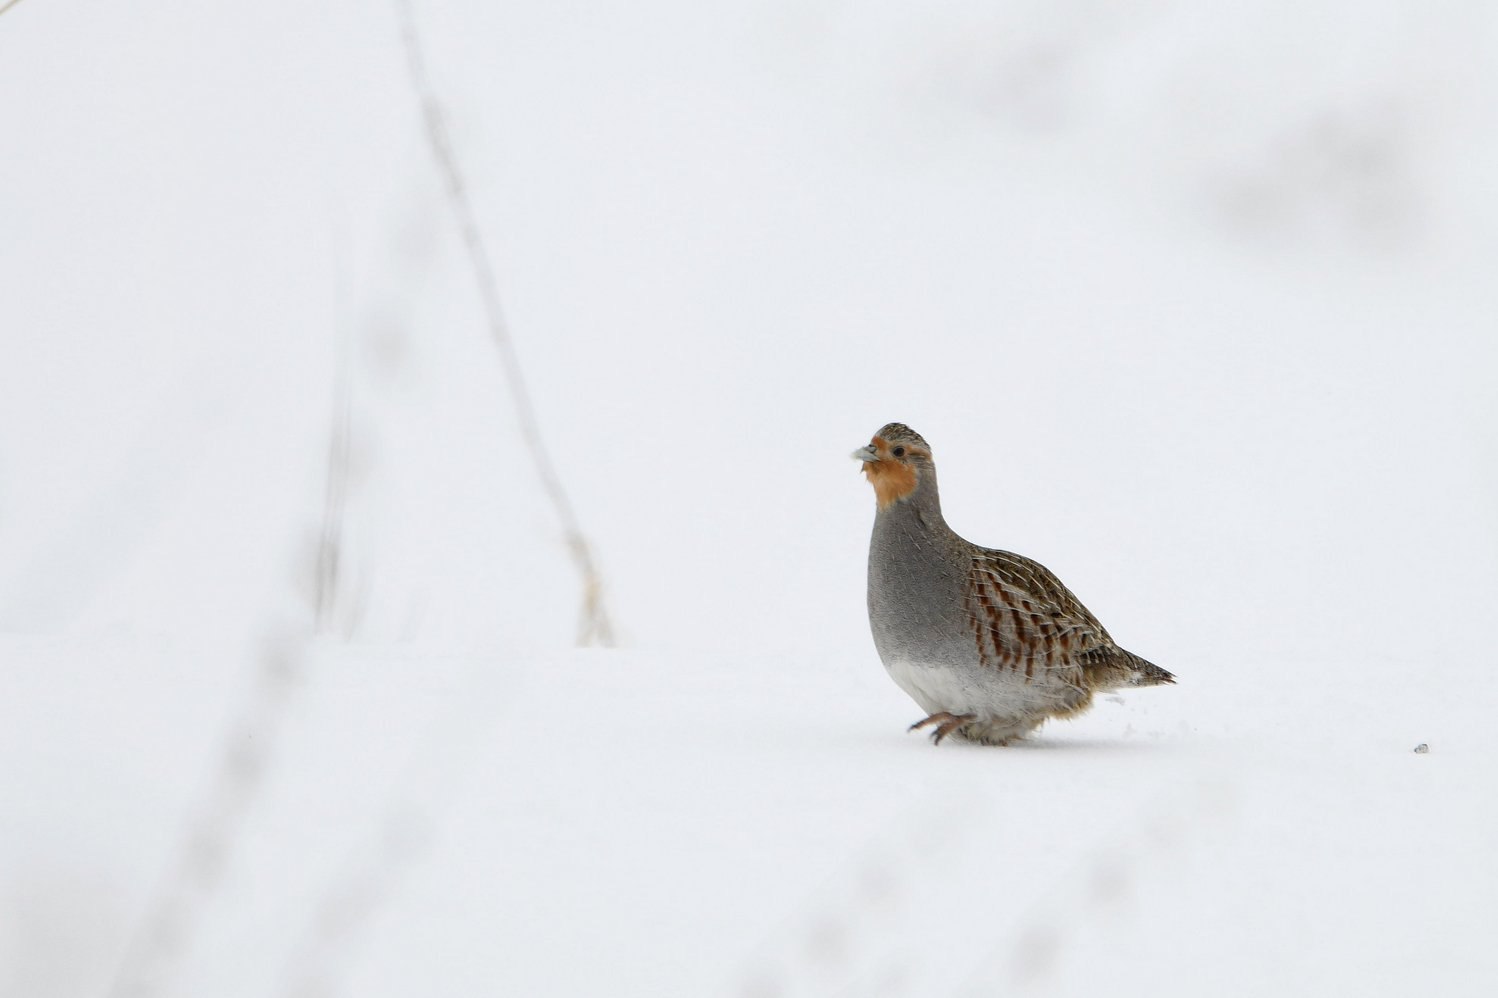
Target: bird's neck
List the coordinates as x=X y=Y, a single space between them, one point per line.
x=920 y=511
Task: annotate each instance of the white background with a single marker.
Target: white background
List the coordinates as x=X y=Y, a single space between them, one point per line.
x=1195 y=305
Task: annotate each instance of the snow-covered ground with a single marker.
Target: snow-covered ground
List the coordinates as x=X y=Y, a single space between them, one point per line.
x=1195 y=306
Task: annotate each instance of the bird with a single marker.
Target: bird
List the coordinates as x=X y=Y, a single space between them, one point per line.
x=988 y=643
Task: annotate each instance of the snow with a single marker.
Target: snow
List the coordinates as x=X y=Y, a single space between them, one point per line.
x=1194 y=308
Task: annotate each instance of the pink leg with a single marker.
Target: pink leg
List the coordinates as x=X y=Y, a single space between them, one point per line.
x=949 y=723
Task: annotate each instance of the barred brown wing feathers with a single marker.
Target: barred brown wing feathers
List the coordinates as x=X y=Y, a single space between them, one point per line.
x=1024 y=619
x=1035 y=578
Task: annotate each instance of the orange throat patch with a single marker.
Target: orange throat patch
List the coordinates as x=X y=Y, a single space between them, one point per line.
x=892 y=480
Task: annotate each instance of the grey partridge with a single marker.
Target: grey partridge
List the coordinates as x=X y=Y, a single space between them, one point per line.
x=990 y=644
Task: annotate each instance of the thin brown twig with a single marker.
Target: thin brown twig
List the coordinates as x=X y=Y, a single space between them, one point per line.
x=595 y=625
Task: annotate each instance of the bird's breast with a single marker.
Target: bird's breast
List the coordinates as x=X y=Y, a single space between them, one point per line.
x=916 y=601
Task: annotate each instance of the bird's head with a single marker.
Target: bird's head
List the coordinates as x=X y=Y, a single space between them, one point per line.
x=895 y=461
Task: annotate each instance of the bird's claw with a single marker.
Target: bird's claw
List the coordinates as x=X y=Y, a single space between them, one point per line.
x=945 y=722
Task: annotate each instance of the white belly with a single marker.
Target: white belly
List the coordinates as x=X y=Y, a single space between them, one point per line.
x=992 y=694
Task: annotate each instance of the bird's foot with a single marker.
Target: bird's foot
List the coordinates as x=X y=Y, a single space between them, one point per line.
x=945 y=722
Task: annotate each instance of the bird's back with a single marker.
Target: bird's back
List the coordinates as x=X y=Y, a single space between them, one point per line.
x=1025 y=618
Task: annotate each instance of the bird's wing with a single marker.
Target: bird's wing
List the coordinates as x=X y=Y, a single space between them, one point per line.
x=1024 y=619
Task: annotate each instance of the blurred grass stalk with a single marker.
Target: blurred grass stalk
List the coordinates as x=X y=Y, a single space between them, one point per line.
x=595 y=626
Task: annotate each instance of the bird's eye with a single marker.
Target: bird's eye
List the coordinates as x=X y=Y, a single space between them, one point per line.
x=899 y=452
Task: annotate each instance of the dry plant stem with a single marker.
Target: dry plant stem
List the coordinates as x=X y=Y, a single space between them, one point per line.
x=595 y=626
x=352 y=899
x=165 y=929
x=330 y=536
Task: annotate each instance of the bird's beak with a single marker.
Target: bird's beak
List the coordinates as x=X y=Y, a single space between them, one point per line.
x=865 y=454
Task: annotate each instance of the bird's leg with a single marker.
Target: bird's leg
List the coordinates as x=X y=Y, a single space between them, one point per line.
x=949 y=723
x=952 y=724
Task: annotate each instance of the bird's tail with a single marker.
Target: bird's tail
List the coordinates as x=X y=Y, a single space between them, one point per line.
x=1112 y=667
x=1146 y=673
